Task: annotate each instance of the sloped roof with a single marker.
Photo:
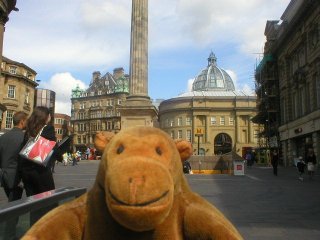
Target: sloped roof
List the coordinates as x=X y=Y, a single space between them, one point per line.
x=215 y=94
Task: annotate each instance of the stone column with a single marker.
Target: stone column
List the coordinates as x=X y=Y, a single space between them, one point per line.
x=316 y=145
x=6 y=6
x=250 y=129
x=2 y=107
x=138 y=109
x=3 y=20
x=194 y=118
x=292 y=151
x=139 y=49
x=238 y=129
x=284 y=147
x=206 y=133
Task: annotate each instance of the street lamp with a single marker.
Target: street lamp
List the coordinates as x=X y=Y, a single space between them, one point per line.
x=199 y=133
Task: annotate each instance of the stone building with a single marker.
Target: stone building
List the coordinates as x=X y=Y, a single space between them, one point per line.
x=17 y=84
x=291 y=76
x=6 y=6
x=214 y=117
x=62 y=125
x=97 y=108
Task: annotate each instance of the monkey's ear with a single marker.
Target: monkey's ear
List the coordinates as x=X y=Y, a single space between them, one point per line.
x=184 y=148
x=102 y=139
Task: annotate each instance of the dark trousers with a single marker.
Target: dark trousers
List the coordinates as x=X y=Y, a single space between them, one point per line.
x=38 y=180
x=14 y=193
x=275 y=169
x=11 y=223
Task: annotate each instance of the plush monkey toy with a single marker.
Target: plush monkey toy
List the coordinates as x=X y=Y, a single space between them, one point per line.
x=140 y=192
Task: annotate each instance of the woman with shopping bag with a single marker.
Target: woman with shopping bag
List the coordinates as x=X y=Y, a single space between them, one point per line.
x=37 y=178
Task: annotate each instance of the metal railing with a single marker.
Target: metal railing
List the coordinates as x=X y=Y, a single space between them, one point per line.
x=18 y=216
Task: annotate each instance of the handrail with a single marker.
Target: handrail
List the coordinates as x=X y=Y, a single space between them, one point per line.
x=22 y=206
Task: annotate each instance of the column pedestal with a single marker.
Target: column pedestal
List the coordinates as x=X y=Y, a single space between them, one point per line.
x=138 y=109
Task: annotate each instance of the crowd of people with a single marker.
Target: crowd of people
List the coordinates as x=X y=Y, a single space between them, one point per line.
x=71 y=158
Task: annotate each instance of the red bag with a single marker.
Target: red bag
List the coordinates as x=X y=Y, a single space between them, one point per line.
x=38 y=150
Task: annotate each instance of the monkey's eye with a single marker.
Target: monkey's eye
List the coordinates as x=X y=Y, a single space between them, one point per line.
x=158 y=151
x=120 y=149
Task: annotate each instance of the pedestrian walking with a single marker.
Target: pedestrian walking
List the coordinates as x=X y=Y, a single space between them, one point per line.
x=301 y=165
x=274 y=162
x=37 y=178
x=248 y=158
x=75 y=157
x=87 y=153
x=187 y=167
x=311 y=162
x=10 y=146
x=65 y=157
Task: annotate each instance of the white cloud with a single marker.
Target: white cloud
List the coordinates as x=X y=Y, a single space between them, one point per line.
x=97 y=32
x=62 y=84
x=190 y=82
x=202 y=23
x=92 y=36
x=234 y=77
x=247 y=89
x=72 y=36
x=96 y=13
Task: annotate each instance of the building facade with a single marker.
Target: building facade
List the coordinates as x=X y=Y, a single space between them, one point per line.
x=214 y=117
x=17 y=89
x=46 y=98
x=291 y=65
x=62 y=126
x=97 y=108
x=6 y=6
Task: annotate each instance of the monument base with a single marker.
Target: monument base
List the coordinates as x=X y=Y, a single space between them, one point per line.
x=138 y=111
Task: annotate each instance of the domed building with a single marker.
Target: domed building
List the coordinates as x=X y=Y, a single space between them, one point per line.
x=214 y=117
x=213 y=78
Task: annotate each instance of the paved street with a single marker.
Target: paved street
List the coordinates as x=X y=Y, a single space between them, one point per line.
x=260 y=205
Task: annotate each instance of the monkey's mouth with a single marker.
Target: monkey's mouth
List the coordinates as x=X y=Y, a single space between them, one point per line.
x=142 y=204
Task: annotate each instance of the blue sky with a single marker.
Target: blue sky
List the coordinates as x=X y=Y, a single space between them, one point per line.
x=64 y=41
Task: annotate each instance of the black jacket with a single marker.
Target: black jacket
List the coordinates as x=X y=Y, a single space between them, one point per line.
x=10 y=146
x=311 y=159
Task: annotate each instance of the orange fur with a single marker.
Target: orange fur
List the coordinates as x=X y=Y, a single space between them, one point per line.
x=140 y=192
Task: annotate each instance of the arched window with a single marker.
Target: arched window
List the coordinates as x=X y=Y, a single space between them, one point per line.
x=201 y=151
x=222 y=143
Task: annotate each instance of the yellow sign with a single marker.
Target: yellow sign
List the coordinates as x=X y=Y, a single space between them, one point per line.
x=199 y=131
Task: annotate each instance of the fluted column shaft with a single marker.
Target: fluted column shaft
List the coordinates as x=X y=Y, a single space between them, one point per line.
x=139 y=49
